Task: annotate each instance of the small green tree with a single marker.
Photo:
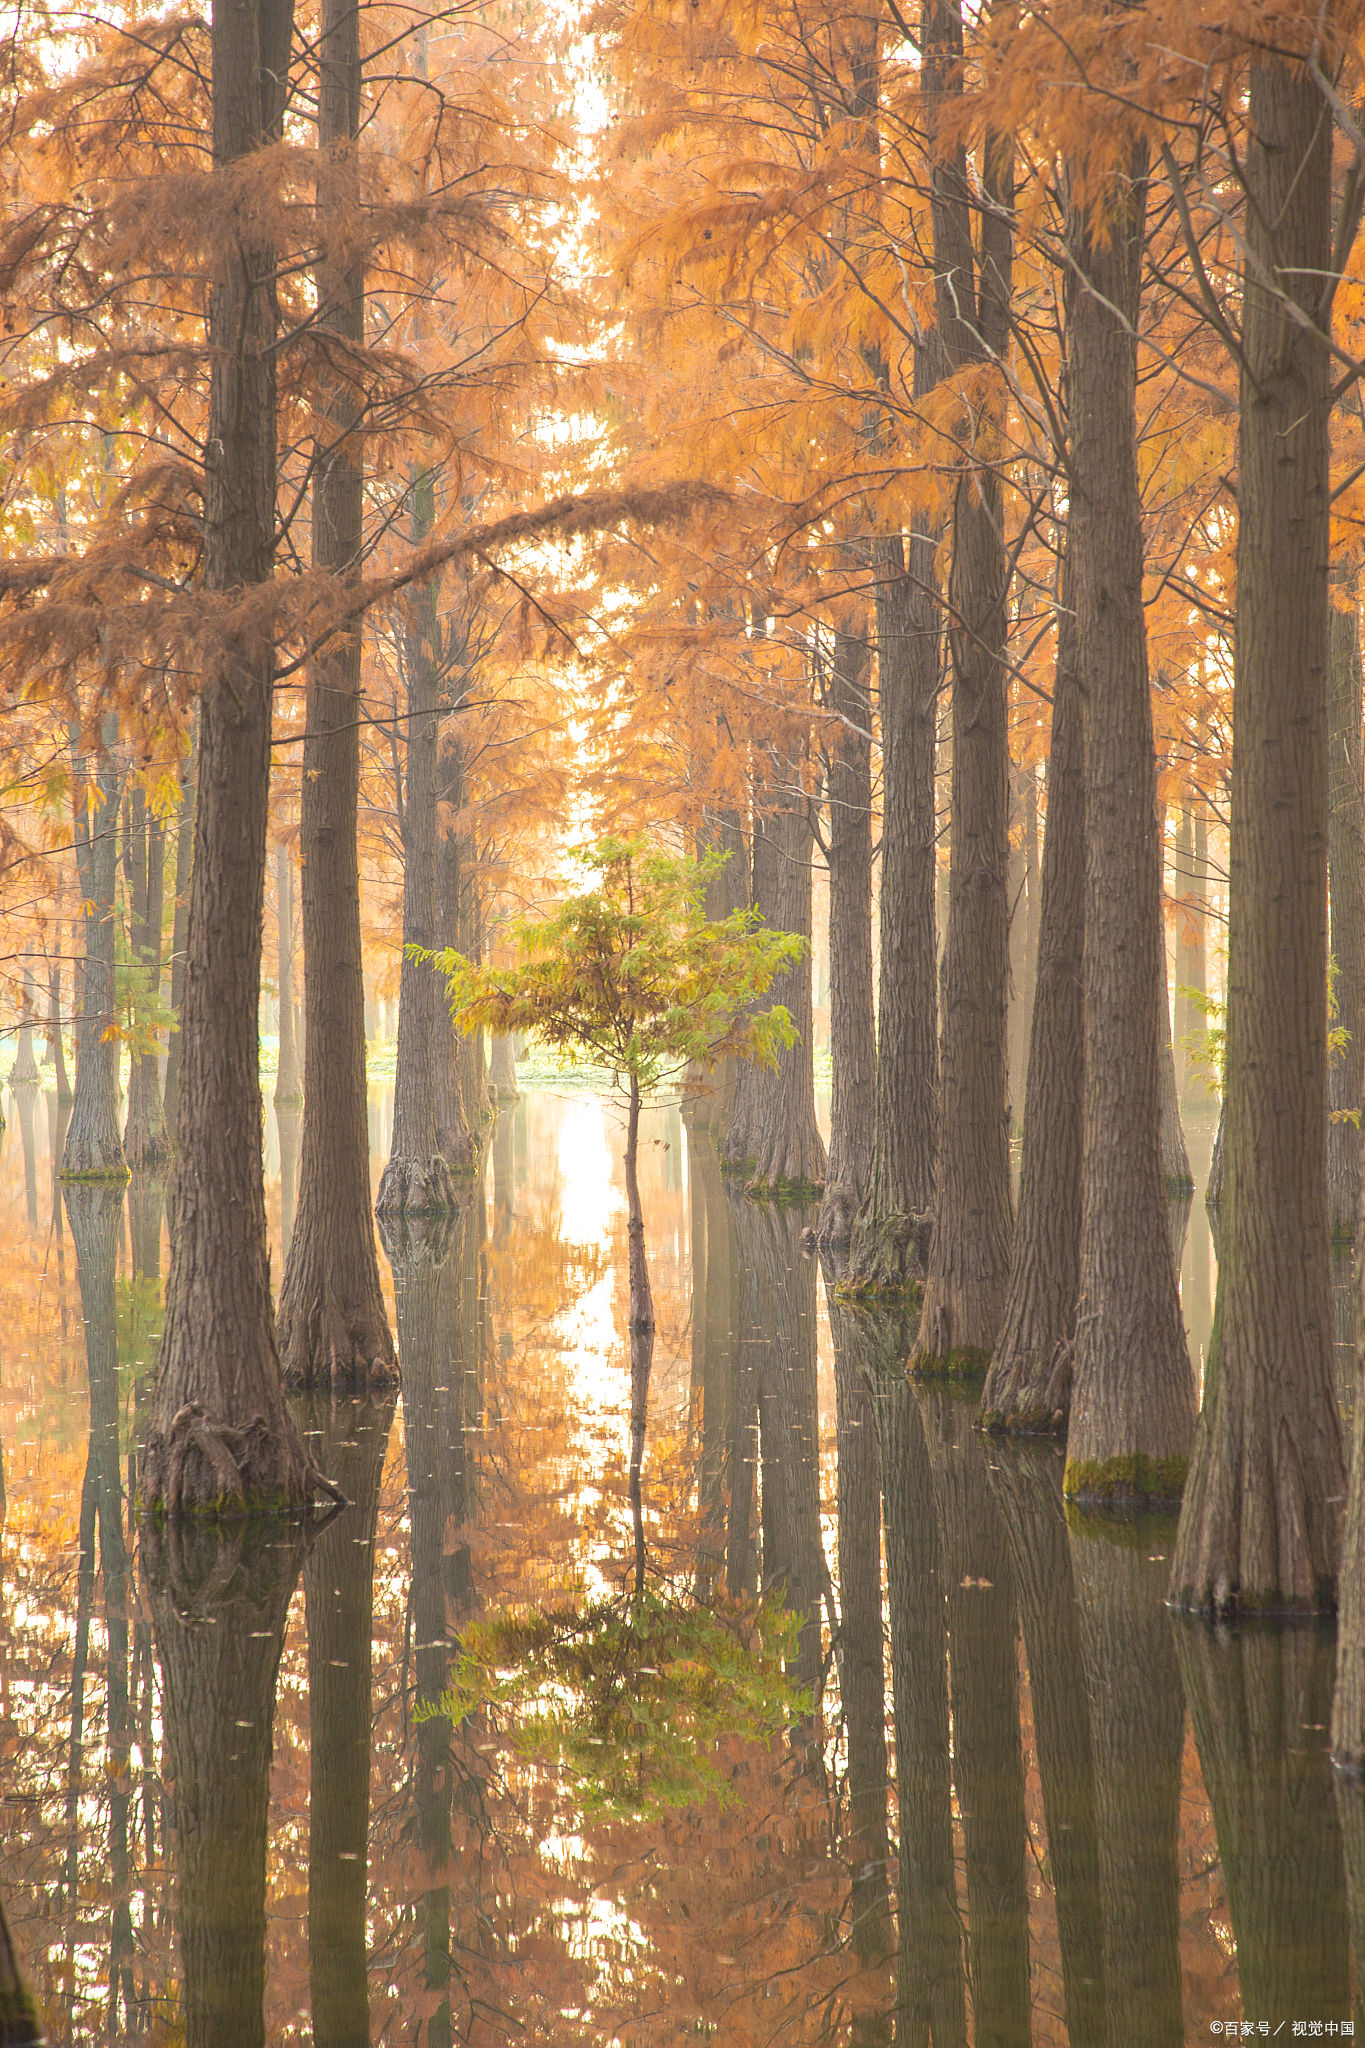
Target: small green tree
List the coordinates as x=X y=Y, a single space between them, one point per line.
x=633 y=974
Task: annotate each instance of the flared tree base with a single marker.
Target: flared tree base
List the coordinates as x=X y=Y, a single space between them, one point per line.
x=888 y=1253
x=415 y=1187
x=1028 y=1394
x=200 y=1467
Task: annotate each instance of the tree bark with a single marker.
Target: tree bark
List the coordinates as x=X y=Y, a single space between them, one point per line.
x=24 y=1072
x=969 y=1257
x=180 y=920
x=502 y=1069
x=988 y=1763
x=1028 y=1385
x=219 y=1433
x=145 y=1141
x=709 y=1099
x=930 y=1963
x=94 y=1149
x=1175 y=1154
x=773 y=1137
x=1191 y=969
x=1133 y=1400
x=852 y=1018
x=641 y=1300
x=417 y=1178
x=1346 y=891
x=1260 y=1527
x=1259 y=1702
x=331 y=1326
x=464 y=1107
x=890 y=1233
x=350 y=1438
x=288 y=1084
x=54 y=1031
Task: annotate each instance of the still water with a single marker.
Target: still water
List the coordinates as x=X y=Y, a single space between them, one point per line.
x=1011 y=1800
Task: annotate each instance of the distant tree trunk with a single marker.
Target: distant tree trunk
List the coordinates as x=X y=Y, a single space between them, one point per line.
x=641 y=1300
x=1175 y=1155
x=350 y=1438
x=1259 y=1703
x=773 y=1134
x=1028 y=1385
x=1132 y=1408
x=145 y=1140
x=969 y=1257
x=1191 y=969
x=1022 y=893
x=852 y=1018
x=54 y=1031
x=219 y=1605
x=890 y=1232
x=331 y=1325
x=1346 y=889
x=502 y=1070
x=862 y=1678
x=461 y=1102
x=988 y=1763
x=1260 y=1528
x=417 y=1179
x=24 y=1072
x=1028 y=1493
x=709 y=1099
x=25 y=1095
x=930 y=1972
x=94 y=1149
x=1136 y=1726
x=288 y=1086
x=184 y=862
x=218 y=1429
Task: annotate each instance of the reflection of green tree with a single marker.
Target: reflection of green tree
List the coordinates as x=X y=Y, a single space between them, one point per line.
x=632 y=1697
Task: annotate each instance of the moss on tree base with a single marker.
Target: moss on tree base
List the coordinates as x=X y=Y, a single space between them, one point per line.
x=970 y=1362
x=97 y=1176
x=799 y=1191
x=1134 y=1481
x=904 y=1293
x=1039 y=1421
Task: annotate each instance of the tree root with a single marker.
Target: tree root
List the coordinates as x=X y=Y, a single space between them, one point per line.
x=415 y=1187
x=234 y=1456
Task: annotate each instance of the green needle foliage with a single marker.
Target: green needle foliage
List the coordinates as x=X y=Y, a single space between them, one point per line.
x=631 y=1697
x=632 y=972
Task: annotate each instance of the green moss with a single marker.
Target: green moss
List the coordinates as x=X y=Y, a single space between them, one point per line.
x=737 y=1167
x=1269 y=1605
x=971 y=1362
x=1134 y=1480
x=113 y=1176
x=1022 y=1422
x=905 y=1294
x=1179 y=1186
x=802 y=1191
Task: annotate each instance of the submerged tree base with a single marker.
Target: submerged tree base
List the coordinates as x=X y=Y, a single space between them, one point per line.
x=1132 y=1483
x=416 y=1187
x=970 y=1362
x=215 y=1471
x=888 y=1254
x=1032 y=1396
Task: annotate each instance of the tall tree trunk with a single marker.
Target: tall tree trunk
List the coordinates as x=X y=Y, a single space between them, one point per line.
x=710 y=1099
x=416 y=1178
x=1175 y=1155
x=220 y=1601
x=1132 y=1407
x=180 y=924
x=94 y=1149
x=54 y=1031
x=1260 y=1526
x=145 y=1140
x=1259 y=1702
x=862 y=1678
x=930 y=1963
x=1021 y=894
x=773 y=1135
x=1191 y=953
x=890 y=1232
x=218 y=1427
x=1028 y=1385
x=24 y=1072
x=852 y=1018
x=462 y=1108
x=350 y=1438
x=988 y=1763
x=641 y=1300
x=502 y=1069
x=332 y=1326
x=1346 y=890
x=288 y=1084
x=25 y=1098
x=969 y=1257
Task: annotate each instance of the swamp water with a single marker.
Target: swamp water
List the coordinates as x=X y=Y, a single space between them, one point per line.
x=1010 y=1799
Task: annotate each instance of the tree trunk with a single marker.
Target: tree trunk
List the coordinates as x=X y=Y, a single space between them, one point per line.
x=1346 y=890
x=219 y=1603
x=988 y=1763
x=350 y=1438
x=969 y=1258
x=890 y=1233
x=219 y=1432
x=54 y=1031
x=288 y=1086
x=145 y=1140
x=852 y=1018
x=1028 y=1493
x=1259 y=1702
x=1028 y=1386
x=641 y=1300
x=1022 y=882
x=502 y=1069
x=25 y=1098
x=1132 y=1408
x=20 y=2026
x=1175 y=1155
x=1137 y=1725
x=930 y=1989
x=24 y=1072
x=862 y=1678
x=332 y=1327
x=461 y=1102
x=773 y=1136
x=180 y=924
x=1260 y=1528
x=1191 y=969
x=416 y=1178
x=94 y=1149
